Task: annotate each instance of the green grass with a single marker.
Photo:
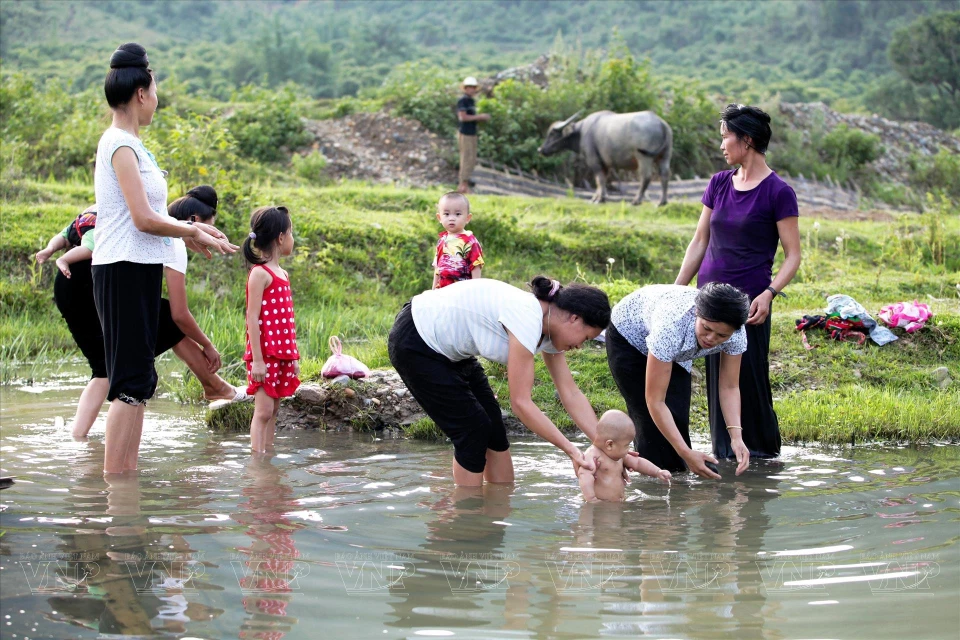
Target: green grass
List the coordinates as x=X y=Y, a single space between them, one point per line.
x=363 y=250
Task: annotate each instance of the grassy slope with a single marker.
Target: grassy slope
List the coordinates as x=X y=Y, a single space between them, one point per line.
x=363 y=250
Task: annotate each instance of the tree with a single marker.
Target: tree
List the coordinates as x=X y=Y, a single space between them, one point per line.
x=927 y=52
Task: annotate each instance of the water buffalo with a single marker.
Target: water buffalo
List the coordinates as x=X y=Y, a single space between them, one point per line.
x=610 y=140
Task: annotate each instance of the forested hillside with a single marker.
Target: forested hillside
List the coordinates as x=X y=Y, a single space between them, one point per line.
x=835 y=51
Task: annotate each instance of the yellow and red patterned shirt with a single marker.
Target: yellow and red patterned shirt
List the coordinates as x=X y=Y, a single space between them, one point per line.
x=457 y=256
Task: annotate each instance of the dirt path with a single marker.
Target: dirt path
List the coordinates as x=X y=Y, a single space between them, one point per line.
x=384 y=149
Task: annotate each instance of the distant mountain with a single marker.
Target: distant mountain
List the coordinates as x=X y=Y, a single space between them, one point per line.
x=831 y=50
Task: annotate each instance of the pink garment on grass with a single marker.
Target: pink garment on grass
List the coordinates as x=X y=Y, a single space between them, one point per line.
x=908 y=315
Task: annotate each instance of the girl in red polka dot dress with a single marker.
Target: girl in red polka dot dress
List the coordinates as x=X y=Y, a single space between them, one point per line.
x=273 y=361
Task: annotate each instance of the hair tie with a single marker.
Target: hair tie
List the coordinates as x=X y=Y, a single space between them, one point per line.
x=252 y=236
x=554 y=288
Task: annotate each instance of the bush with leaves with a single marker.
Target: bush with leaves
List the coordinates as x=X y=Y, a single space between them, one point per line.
x=424 y=93
x=47 y=131
x=193 y=149
x=267 y=126
x=938 y=174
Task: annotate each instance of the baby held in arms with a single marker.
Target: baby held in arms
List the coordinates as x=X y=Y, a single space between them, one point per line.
x=610 y=449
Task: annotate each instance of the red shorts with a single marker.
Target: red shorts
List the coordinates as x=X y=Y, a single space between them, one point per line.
x=281 y=379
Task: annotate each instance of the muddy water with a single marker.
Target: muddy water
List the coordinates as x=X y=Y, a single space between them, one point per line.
x=349 y=536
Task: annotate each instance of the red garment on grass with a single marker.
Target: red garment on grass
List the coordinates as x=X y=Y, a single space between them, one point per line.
x=278 y=339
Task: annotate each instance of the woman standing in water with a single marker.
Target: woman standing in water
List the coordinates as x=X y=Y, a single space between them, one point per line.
x=655 y=334
x=434 y=346
x=746 y=212
x=134 y=241
x=177 y=329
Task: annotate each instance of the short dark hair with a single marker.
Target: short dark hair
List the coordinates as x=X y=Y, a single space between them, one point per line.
x=742 y=120
x=266 y=225
x=454 y=194
x=129 y=70
x=590 y=303
x=720 y=302
x=200 y=201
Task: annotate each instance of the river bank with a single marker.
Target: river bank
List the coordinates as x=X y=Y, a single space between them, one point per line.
x=362 y=251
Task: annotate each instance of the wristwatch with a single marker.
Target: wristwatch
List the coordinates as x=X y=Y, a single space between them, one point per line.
x=776 y=293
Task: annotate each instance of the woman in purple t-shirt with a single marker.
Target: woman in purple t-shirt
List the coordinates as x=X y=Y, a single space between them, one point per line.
x=746 y=212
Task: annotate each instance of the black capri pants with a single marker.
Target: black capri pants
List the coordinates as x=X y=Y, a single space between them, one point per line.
x=127 y=295
x=628 y=365
x=75 y=301
x=74 y=298
x=456 y=395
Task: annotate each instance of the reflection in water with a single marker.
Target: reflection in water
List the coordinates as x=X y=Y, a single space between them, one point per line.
x=797 y=550
x=460 y=562
x=124 y=578
x=270 y=565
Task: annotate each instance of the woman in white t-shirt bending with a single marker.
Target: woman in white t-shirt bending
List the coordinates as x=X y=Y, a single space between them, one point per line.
x=438 y=335
x=134 y=241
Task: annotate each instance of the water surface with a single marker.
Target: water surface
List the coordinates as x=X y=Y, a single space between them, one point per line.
x=343 y=535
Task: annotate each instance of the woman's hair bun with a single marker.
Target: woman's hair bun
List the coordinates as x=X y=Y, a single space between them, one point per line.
x=129 y=55
x=205 y=194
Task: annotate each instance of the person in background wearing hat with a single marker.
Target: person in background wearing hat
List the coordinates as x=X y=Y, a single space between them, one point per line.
x=467 y=137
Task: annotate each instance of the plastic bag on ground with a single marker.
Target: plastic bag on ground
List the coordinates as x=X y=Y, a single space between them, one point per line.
x=340 y=364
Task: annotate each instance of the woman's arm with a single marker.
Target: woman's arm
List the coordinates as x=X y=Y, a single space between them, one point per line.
x=257 y=282
x=730 y=407
x=145 y=219
x=56 y=243
x=180 y=310
x=789 y=230
x=520 y=374
x=658 y=378
x=475 y=273
x=572 y=399
x=696 y=249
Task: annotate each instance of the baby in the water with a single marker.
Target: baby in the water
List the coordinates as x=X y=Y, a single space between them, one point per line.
x=615 y=432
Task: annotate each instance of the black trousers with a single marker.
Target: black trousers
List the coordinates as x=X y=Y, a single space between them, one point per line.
x=761 y=430
x=456 y=395
x=74 y=298
x=629 y=369
x=127 y=296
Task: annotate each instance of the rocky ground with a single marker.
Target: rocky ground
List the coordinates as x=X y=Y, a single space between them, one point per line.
x=379 y=402
x=899 y=139
x=384 y=149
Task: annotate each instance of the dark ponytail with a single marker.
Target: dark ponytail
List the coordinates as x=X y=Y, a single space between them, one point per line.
x=589 y=303
x=200 y=202
x=266 y=225
x=719 y=302
x=129 y=71
x=743 y=121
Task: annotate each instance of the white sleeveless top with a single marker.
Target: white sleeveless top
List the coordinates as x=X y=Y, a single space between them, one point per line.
x=470 y=318
x=118 y=239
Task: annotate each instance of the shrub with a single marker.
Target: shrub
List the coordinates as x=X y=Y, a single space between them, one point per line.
x=267 y=126
x=46 y=130
x=849 y=149
x=937 y=174
x=425 y=93
x=194 y=149
x=310 y=167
